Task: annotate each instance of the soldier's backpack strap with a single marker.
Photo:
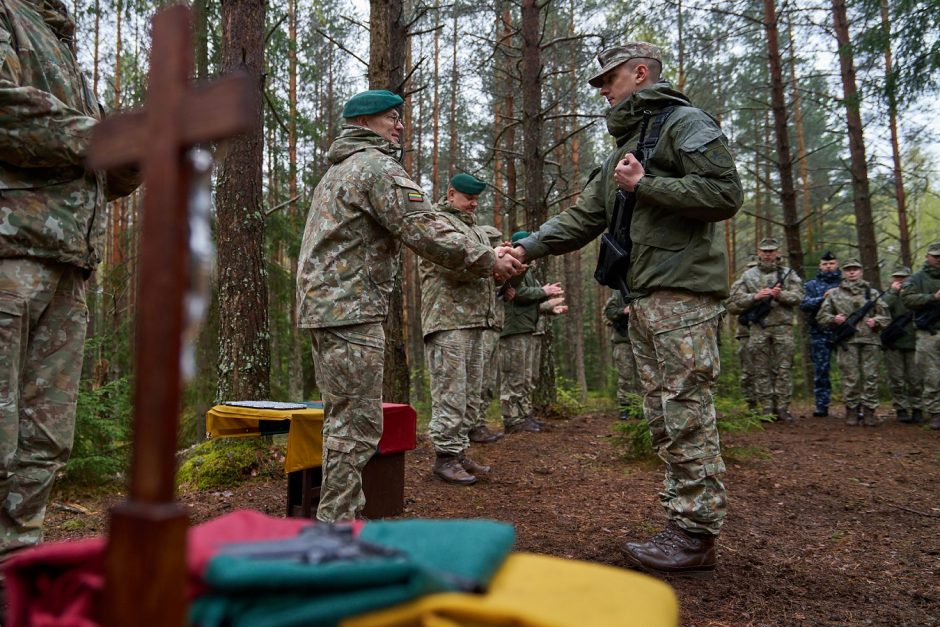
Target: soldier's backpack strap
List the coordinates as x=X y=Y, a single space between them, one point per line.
x=652 y=136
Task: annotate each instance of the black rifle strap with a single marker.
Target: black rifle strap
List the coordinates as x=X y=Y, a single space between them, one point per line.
x=648 y=144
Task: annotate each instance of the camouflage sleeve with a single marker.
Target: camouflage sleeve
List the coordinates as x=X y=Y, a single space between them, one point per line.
x=38 y=129
x=826 y=315
x=792 y=293
x=573 y=228
x=914 y=296
x=401 y=207
x=707 y=186
x=738 y=301
x=880 y=314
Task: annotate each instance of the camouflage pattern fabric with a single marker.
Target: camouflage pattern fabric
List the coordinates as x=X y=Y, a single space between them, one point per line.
x=533 y=367
x=858 y=364
x=514 y=355
x=348 y=362
x=903 y=378
x=362 y=210
x=746 y=378
x=927 y=361
x=625 y=366
x=43 y=319
x=674 y=336
x=821 y=355
x=490 y=377
x=783 y=308
x=455 y=364
x=770 y=351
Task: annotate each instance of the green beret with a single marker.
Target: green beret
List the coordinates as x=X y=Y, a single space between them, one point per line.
x=518 y=235
x=371 y=102
x=467 y=184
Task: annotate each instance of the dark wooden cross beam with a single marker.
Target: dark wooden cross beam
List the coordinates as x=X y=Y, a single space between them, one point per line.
x=146 y=559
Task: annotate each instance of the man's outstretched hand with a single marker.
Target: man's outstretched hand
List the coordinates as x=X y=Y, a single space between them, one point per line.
x=507 y=264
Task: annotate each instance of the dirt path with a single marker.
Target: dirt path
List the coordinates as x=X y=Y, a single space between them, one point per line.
x=831 y=525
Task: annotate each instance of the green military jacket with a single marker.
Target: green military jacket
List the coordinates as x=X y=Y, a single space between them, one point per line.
x=690 y=184
x=849 y=296
x=918 y=291
x=522 y=312
x=362 y=210
x=456 y=299
x=613 y=311
x=783 y=309
x=896 y=309
x=51 y=207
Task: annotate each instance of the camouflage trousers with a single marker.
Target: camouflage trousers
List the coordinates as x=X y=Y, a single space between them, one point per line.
x=771 y=353
x=903 y=378
x=490 y=384
x=822 y=358
x=455 y=363
x=858 y=364
x=674 y=336
x=746 y=380
x=625 y=366
x=43 y=320
x=928 y=363
x=515 y=399
x=349 y=362
x=533 y=364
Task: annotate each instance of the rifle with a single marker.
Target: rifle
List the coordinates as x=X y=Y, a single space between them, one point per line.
x=847 y=329
x=928 y=318
x=896 y=330
x=758 y=312
x=621 y=325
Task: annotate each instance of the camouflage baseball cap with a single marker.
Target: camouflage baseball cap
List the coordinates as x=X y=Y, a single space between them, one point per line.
x=851 y=262
x=768 y=243
x=901 y=271
x=612 y=57
x=934 y=249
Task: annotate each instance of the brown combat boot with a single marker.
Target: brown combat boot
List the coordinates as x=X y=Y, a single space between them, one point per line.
x=784 y=415
x=471 y=466
x=448 y=468
x=851 y=416
x=935 y=422
x=868 y=415
x=673 y=550
x=525 y=426
x=483 y=435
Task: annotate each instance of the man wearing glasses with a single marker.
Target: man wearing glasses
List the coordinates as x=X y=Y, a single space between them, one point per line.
x=363 y=209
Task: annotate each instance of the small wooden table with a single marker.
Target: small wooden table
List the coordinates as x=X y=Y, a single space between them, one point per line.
x=383 y=478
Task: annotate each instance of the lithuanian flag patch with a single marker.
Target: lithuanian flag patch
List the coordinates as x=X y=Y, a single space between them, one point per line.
x=415 y=197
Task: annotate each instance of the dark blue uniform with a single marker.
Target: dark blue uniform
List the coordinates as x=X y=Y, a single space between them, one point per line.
x=814 y=292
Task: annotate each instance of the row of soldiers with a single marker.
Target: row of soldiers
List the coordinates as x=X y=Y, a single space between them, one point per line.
x=846 y=315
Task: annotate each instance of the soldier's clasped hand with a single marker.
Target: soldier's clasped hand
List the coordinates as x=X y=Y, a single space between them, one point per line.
x=628 y=172
x=506 y=264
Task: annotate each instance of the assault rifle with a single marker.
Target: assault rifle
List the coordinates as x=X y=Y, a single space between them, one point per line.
x=621 y=325
x=896 y=330
x=758 y=312
x=847 y=329
x=927 y=319
x=316 y=544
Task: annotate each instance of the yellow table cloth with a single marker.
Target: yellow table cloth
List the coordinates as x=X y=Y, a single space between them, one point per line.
x=304 y=438
x=540 y=591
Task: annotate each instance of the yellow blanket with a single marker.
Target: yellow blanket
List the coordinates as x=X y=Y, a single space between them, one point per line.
x=304 y=440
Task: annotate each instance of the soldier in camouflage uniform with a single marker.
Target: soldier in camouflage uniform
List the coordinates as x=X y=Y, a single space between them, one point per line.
x=858 y=355
x=51 y=211
x=741 y=334
x=362 y=210
x=617 y=312
x=456 y=307
x=903 y=375
x=828 y=278
x=921 y=294
x=678 y=274
x=480 y=433
x=516 y=349
x=770 y=342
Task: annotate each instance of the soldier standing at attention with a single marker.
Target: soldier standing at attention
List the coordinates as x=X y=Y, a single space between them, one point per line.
x=51 y=219
x=684 y=185
x=858 y=355
x=617 y=312
x=770 y=342
x=903 y=375
x=362 y=210
x=456 y=308
x=921 y=294
x=828 y=278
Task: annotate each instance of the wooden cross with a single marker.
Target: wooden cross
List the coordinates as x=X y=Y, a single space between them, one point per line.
x=146 y=557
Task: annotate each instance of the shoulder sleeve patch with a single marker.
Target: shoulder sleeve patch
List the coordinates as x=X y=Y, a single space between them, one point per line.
x=698 y=134
x=410 y=190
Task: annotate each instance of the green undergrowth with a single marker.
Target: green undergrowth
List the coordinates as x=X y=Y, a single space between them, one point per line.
x=225 y=462
x=101 y=448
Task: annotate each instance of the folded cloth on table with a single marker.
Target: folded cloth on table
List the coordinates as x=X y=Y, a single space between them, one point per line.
x=438 y=556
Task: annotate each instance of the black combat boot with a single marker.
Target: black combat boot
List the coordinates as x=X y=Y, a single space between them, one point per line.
x=851 y=416
x=784 y=415
x=868 y=415
x=473 y=467
x=527 y=425
x=448 y=468
x=917 y=416
x=935 y=422
x=903 y=416
x=821 y=411
x=673 y=550
x=624 y=414
x=483 y=435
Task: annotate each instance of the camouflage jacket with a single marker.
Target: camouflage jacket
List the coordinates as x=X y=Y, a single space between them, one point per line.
x=618 y=320
x=522 y=312
x=690 y=185
x=919 y=289
x=896 y=309
x=741 y=331
x=51 y=207
x=845 y=299
x=456 y=299
x=362 y=210
x=783 y=308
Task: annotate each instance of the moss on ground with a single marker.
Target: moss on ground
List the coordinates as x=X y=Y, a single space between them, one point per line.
x=225 y=462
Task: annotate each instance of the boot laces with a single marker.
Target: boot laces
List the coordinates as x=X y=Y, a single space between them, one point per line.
x=669 y=540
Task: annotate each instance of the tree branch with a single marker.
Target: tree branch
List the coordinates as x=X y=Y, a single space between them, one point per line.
x=342 y=47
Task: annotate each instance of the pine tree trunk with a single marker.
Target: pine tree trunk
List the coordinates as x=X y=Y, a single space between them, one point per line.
x=808 y=216
x=295 y=378
x=244 y=352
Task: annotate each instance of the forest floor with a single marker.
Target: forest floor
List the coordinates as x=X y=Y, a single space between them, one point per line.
x=827 y=524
